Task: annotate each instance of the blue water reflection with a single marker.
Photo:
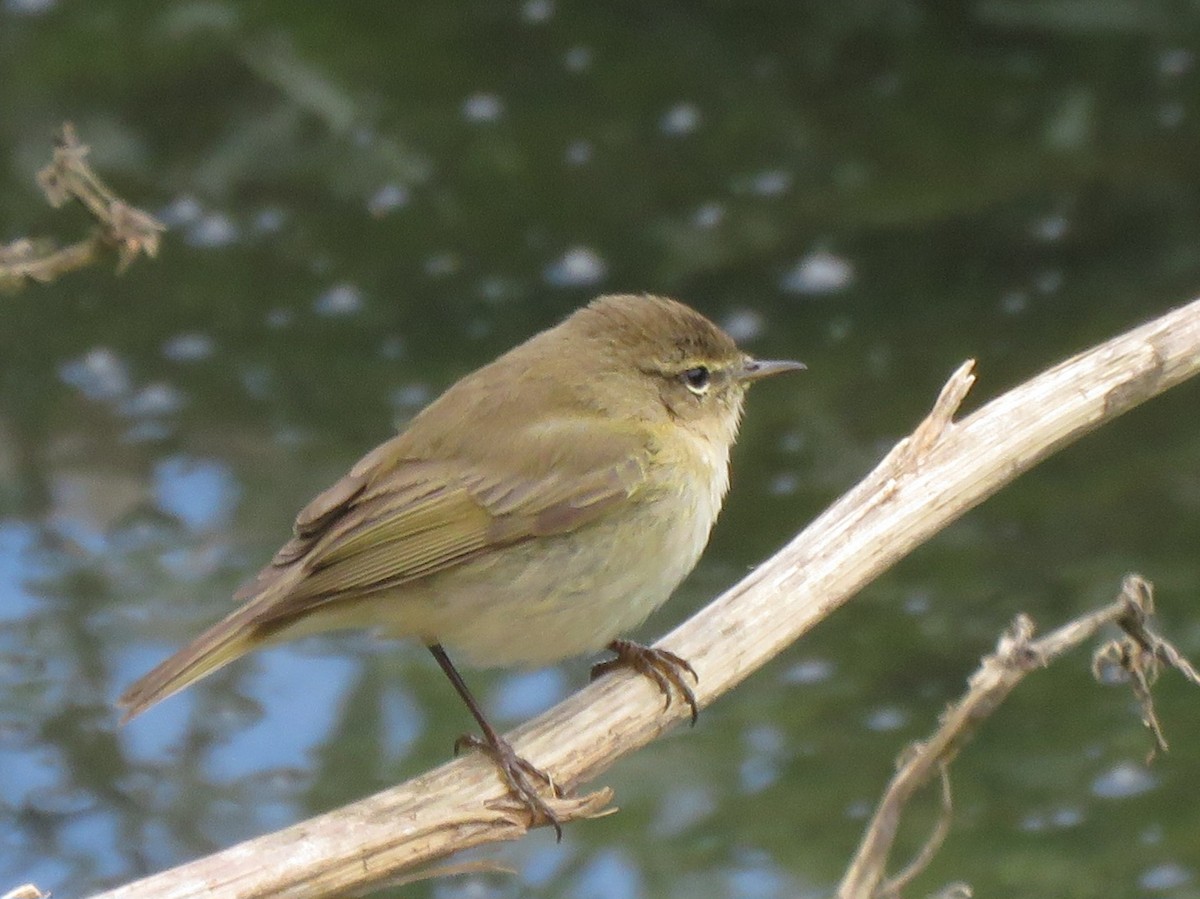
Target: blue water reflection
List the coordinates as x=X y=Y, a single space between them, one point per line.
x=17 y=543
x=202 y=493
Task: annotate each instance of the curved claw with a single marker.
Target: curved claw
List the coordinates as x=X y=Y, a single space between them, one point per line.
x=662 y=666
x=518 y=773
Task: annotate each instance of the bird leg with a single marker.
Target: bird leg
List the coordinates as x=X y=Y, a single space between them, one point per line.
x=518 y=773
x=666 y=669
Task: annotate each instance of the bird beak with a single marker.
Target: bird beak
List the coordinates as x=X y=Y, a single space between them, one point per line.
x=757 y=369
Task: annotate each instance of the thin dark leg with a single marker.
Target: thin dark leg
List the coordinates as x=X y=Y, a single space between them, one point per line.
x=666 y=669
x=516 y=771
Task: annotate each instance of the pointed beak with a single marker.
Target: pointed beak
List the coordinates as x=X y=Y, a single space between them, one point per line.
x=757 y=369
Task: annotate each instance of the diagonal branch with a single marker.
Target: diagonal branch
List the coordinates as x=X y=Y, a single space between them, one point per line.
x=928 y=481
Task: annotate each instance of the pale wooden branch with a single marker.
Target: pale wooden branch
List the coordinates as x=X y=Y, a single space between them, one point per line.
x=1138 y=655
x=25 y=891
x=928 y=481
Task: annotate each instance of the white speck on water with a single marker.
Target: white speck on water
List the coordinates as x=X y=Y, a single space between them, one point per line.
x=708 y=216
x=820 y=272
x=681 y=119
x=792 y=442
x=885 y=719
x=578 y=59
x=442 y=265
x=1048 y=282
x=279 y=318
x=212 y=231
x=411 y=396
x=100 y=374
x=153 y=400
x=1051 y=228
x=808 y=671
x=339 y=300
x=191 y=347
x=917 y=603
x=577 y=267
x=496 y=288
x=1165 y=876
x=771 y=183
x=483 y=108
x=682 y=808
x=29 y=7
x=761 y=767
x=744 y=325
x=269 y=220
x=1062 y=818
x=1014 y=302
x=387 y=199
x=859 y=810
x=1066 y=816
x=578 y=152
x=537 y=11
x=1175 y=62
x=180 y=211
x=784 y=484
x=257 y=381
x=1123 y=780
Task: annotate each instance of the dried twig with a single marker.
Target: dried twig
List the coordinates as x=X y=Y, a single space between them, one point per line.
x=941 y=829
x=1137 y=656
x=129 y=231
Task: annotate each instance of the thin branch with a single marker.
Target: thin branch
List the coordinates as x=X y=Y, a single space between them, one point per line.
x=1017 y=653
x=129 y=231
x=892 y=888
x=916 y=491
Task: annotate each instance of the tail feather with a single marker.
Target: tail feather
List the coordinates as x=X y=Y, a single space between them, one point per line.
x=225 y=641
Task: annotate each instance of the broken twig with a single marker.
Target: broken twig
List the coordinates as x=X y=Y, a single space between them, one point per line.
x=1137 y=657
x=123 y=228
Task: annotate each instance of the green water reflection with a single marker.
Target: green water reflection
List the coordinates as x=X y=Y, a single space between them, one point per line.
x=367 y=201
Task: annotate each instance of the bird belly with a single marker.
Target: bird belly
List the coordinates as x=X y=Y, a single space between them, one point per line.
x=554 y=597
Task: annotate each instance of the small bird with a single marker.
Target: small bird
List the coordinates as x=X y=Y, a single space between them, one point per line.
x=544 y=504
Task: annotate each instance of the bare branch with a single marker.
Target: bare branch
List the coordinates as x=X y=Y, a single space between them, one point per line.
x=941 y=829
x=1017 y=653
x=123 y=228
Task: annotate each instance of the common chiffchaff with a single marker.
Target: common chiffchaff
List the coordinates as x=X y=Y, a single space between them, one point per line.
x=541 y=506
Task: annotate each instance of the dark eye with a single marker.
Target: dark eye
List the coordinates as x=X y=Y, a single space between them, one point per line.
x=697 y=379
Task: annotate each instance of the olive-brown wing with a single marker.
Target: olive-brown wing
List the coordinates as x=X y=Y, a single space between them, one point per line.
x=376 y=531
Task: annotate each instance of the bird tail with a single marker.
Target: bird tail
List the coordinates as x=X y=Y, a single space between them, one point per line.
x=228 y=639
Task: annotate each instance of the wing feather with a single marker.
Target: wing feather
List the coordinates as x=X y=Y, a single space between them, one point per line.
x=394 y=520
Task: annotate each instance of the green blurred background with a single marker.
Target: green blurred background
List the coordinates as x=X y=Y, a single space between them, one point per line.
x=368 y=200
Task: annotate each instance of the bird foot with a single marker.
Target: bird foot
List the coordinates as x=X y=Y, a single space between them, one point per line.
x=666 y=669
x=520 y=775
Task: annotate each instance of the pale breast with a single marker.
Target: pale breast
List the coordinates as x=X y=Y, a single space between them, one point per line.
x=556 y=597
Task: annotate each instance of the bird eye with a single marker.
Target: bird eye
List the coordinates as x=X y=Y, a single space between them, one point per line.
x=697 y=379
